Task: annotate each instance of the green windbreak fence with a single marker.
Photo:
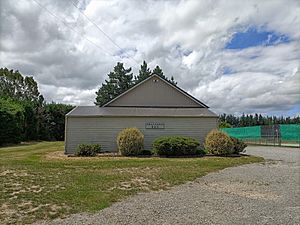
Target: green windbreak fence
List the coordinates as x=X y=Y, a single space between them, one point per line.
x=279 y=134
x=244 y=132
x=290 y=132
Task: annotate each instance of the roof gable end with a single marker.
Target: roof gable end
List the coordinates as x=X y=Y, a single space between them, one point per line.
x=155 y=92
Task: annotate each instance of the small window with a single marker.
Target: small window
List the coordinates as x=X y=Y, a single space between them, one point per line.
x=155 y=80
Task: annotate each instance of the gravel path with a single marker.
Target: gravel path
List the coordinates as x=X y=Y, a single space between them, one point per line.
x=266 y=193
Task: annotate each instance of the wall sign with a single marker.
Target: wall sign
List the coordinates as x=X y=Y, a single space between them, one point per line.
x=154 y=125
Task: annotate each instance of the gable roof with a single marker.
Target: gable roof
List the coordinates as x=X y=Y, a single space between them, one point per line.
x=139 y=95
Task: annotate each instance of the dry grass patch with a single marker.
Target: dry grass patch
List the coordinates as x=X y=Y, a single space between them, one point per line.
x=247 y=190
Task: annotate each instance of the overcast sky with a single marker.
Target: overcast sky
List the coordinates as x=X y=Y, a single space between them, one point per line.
x=235 y=56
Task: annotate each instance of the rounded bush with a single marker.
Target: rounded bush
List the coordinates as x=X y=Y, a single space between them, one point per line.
x=88 y=149
x=130 y=142
x=175 y=146
x=238 y=145
x=218 y=143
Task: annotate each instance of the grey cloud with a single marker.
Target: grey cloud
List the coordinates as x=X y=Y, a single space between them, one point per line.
x=69 y=69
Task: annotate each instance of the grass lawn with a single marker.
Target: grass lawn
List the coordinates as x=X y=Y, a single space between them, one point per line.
x=37 y=182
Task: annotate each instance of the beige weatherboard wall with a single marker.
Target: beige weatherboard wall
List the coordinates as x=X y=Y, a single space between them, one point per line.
x=154 y=106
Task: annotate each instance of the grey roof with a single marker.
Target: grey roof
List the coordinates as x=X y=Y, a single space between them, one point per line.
x=96 y=111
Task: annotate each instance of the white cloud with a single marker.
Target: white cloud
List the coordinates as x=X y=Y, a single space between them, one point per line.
x=69 y=95
x=186 y=38
x=254 y=92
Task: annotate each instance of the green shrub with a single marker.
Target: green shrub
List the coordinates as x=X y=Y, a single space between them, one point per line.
x=88 y=149
x=238 y=145
x=201 y=152
x=11 y=122
x=130 y=142
x=224 y=124
x=175 y=146
x=218 y=143
x=146 y=152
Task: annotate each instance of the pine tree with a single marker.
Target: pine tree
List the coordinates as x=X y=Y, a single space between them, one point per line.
x=144 y=73
x=120 y=80
x=256 y=119
x=242 y=122
x=158 y=71
x=173 y=81
x=260 y=120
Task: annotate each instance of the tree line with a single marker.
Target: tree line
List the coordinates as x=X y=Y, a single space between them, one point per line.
x=254 y=120
x=24 y=114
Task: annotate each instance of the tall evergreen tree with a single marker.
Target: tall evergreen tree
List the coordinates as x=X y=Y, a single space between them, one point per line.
x=120 y=80
x=173 y=80
x=158 y=71
x=144 y=73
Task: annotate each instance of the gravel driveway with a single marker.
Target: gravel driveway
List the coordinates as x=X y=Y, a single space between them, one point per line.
x=266 y=193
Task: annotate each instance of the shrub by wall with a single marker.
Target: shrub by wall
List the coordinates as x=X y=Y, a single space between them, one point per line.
x=146 y=152
x=88 y=149
x=201 y=152
x=218 y=143
x=130 y=142
x=175 y=146
x=11 y=122
x=238 y=145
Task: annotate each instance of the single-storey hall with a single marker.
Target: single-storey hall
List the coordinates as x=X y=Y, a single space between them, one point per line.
x=155 y=106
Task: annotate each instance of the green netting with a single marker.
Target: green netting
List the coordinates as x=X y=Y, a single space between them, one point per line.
x=244 y=132
x=290 y=132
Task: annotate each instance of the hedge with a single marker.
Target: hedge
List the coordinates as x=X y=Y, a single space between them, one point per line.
x=175 y=146
x=11 y=122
